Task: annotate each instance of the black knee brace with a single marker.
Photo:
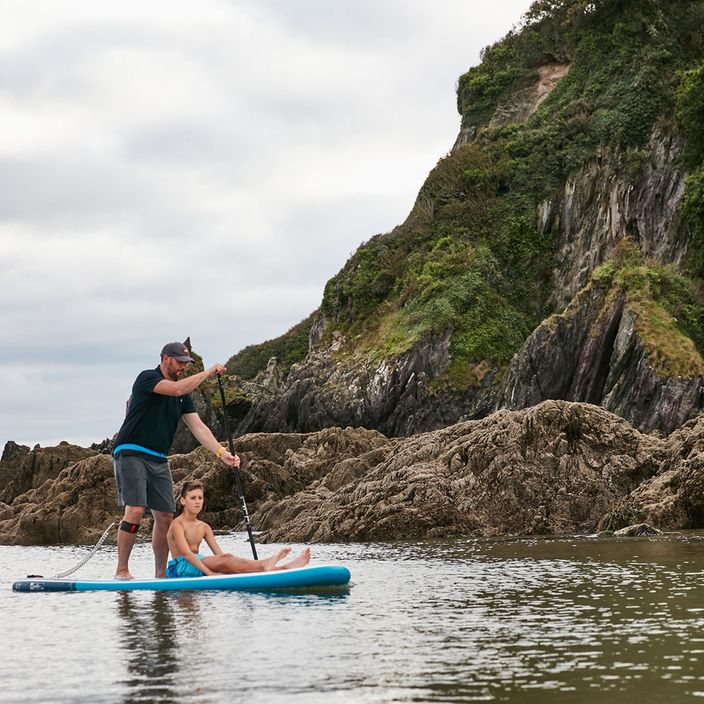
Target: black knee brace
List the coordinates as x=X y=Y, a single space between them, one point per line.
x=129 y=527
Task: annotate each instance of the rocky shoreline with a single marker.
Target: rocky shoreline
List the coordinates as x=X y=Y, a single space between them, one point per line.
x=558 y=468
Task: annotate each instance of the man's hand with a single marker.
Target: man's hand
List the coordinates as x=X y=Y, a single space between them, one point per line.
x=229 y=459
x=216 y=369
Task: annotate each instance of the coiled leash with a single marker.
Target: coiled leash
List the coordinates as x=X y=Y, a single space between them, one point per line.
x=77 y=567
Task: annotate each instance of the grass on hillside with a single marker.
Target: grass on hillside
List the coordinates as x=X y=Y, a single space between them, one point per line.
x=669 y=310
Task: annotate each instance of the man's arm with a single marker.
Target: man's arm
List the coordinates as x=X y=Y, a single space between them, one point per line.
x=166 y=387
x=203 y=434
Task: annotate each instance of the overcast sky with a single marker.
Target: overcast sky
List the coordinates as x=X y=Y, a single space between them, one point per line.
x=172 y=168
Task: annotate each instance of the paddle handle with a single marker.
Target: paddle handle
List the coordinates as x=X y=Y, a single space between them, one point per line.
x=238 y=474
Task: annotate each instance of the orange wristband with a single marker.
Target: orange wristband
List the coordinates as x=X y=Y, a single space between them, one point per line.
x=219 y=452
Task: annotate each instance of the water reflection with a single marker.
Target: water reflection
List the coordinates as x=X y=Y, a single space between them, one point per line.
x=148 y=631
x=175 y=645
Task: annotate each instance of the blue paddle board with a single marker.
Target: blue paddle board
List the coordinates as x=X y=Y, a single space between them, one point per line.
x=298 y=578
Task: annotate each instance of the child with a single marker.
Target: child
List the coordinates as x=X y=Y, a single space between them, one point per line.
x=186 y=533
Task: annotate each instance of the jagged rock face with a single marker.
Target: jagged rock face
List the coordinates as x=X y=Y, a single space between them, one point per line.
x=29 y=470
x=10 y=462
x=391 y=396
x=74 y=507
x=13 y=453
x=567 y=356
x=643 y=396
x=557 y=468
x=592 y=353
x=674 y=497
x=601 y=204
x=282 y=464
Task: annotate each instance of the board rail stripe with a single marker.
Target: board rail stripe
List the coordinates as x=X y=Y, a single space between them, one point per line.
x=302 y=577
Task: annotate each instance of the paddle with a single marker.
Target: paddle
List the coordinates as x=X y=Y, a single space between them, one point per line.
x=238 y=475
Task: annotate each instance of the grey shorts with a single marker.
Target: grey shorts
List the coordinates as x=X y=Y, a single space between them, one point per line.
x=143 y=482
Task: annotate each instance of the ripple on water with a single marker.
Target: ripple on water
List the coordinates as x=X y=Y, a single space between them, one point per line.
x=451 y=621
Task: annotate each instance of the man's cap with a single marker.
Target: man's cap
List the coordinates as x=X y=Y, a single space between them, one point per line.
x=178 y=351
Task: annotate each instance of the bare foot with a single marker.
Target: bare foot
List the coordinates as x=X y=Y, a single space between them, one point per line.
x=301 y=561
x=123 y=575
x=270 y=562
x=282 y=553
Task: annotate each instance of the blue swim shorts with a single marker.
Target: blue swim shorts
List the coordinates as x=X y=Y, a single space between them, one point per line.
x=181 y=567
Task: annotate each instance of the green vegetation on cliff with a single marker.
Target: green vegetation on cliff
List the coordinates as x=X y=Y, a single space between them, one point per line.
x=289 y=348
x=690 y=114
x=669 y=309
x=470 y=260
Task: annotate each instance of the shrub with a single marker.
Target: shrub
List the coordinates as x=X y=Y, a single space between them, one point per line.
x=289 y=349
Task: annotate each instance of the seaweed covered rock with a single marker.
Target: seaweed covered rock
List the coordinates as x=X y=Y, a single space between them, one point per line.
x=556 y=468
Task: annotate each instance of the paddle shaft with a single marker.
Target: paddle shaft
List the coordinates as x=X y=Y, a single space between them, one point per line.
x=238 y=474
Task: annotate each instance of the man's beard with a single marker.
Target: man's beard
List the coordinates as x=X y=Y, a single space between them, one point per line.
x=175 y=374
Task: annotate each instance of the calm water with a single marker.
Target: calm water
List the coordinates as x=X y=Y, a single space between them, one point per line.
x=571 y=620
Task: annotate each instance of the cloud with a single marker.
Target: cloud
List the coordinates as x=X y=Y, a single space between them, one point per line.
x=178 y=168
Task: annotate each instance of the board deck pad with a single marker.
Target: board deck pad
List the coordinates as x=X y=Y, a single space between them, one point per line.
x=299 y=578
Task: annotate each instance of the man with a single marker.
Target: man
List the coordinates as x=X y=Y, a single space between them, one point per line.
x=160 y=397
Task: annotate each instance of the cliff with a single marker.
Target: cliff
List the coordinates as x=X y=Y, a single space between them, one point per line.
x=579 y=159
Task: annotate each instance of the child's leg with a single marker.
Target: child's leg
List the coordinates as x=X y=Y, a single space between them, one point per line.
x=231 y=564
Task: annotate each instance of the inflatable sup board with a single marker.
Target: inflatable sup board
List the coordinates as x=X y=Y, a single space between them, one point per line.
x=297 y=578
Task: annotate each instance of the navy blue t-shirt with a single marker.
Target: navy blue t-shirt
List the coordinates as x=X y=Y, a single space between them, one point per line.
x=152 y=419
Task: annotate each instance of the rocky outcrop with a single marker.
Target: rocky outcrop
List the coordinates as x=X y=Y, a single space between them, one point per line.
x=281 y=464
x=637 y=531
x=391 y=396
x=637 y=391
x=604 y=202
x=674 y=497
x=592 y=352
x=567 y=357
x=80 y=502
x=74 y=507
x=521 y=105
x=10 y=462
x=555 y=167
x=557 y=468
x=24 y=470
